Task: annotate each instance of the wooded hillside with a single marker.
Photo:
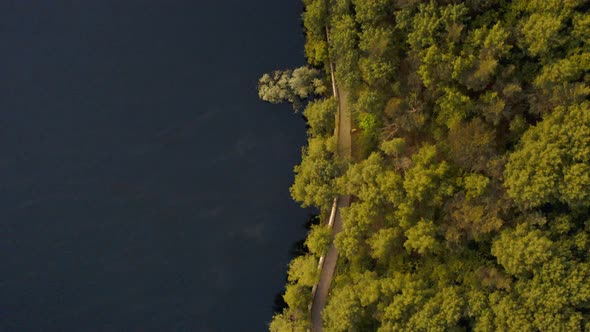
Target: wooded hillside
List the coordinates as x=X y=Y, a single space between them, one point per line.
x=470 y=174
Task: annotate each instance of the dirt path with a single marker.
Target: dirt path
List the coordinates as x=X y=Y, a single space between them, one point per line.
x=344 y=125
x=329 y=265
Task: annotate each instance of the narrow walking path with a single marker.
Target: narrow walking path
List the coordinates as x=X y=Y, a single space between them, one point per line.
x=329 y=264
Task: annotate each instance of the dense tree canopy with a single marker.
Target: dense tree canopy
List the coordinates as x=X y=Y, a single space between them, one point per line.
x=315 y=176
x=470 y=178
x=552 y=162
x=290 y=86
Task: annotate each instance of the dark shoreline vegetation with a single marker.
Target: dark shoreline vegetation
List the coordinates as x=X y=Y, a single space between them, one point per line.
x=470 y=168
x=298 y=249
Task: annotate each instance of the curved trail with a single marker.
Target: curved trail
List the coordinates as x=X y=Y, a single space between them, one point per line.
x=328 y=266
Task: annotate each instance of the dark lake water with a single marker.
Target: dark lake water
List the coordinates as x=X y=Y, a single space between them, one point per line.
x=143 y=185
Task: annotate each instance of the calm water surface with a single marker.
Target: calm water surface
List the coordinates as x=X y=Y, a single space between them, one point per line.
x=143 y=185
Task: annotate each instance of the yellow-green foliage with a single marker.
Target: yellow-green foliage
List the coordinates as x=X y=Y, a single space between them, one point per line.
x=475 y=185
x=319 y=239
x=314 y=22
x=551 y=163
x=320 y=117
x=303 y=270
x=314 y=179
x=471 y=210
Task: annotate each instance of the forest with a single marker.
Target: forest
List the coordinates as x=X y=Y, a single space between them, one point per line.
x=470 y=171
